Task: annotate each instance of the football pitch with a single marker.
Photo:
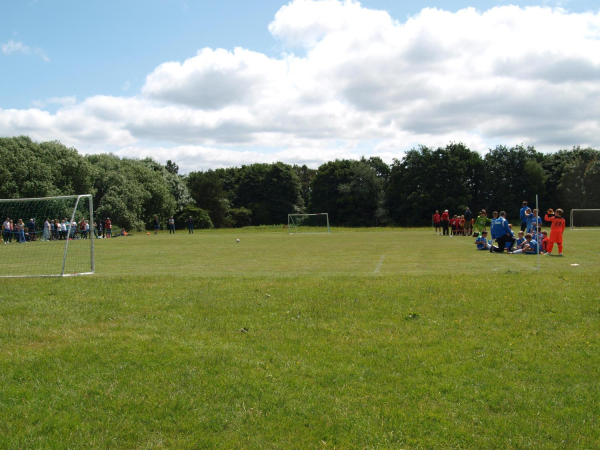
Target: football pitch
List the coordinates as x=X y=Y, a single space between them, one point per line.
x=389 y=338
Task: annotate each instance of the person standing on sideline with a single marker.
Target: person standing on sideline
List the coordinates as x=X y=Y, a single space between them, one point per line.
x=468 y=222
x=7 y=232
x=171 y=225
x=108 y=227
x=501 y=233
x=437 y=219
x=156 y=225
x=445 y=222
x=481 y=222
x=46 y=233
x=556 y=230
x=523 y=216
x=31 y=230
x=190 y=225
x=21 y=229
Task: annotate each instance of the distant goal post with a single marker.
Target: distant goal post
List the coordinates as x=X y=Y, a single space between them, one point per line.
x=585 y=220
x=47 y=236
x=308 y=223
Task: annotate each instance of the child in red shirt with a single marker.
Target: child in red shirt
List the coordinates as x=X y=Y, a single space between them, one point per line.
x=454 y=225
x=544 y=242
x=437 y=222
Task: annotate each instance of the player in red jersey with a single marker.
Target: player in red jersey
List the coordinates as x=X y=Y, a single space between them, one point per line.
x=445 y=222
x=437 y=222
x=556 y=230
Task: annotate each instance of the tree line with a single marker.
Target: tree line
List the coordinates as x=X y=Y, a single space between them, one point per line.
x=365 y=192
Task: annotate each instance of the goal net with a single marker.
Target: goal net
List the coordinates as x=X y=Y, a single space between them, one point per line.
x=308 y=223
x=585 y=219
x=47 y=237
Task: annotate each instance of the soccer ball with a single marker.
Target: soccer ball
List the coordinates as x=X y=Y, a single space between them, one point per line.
x=237 y=240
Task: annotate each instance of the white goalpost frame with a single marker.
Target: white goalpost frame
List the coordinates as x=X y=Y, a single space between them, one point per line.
x=91 y=234
x=572 y=226
x=291 y=221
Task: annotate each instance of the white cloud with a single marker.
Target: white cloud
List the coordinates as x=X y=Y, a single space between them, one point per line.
x=202 y=158
x=62 y=101
x=11 y=47
x=363 y=83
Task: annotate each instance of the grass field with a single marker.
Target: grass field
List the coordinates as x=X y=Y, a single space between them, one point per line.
x=360 y=339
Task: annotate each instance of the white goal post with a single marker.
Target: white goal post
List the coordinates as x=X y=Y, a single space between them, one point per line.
x=585 y=219
x=47 y=237
x=314 y=223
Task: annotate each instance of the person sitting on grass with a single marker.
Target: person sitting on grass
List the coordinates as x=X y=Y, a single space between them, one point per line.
x=529 y=247
x=520 y=241
x=122 y=233
x=482 y=241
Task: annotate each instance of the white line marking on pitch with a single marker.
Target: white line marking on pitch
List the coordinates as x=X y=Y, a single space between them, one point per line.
x=379 y=264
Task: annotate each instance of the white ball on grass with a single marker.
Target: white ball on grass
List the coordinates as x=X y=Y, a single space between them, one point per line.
x=237 y=240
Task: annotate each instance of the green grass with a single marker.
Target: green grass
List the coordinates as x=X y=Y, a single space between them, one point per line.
x=390 y=338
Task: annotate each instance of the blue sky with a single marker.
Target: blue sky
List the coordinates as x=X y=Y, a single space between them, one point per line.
x=59 y=55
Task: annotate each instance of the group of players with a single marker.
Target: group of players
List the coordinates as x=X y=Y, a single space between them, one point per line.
x=453 y=226
x=530 y=239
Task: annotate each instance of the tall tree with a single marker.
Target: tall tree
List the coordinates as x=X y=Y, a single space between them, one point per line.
x=206 y=188
x=426 y=180
x=306 y=176
x=349 y=191
x=512 y=175
x=270 y=191
x=171 y=167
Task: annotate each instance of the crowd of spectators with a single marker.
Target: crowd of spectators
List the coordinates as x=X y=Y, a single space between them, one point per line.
x=51 y=230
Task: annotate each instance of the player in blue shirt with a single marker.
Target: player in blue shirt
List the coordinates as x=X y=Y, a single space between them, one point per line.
x=482 y=242
x=520 y=241
x=535 y=220
x=530 y=246
x=501 y=233
x=522 y=214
